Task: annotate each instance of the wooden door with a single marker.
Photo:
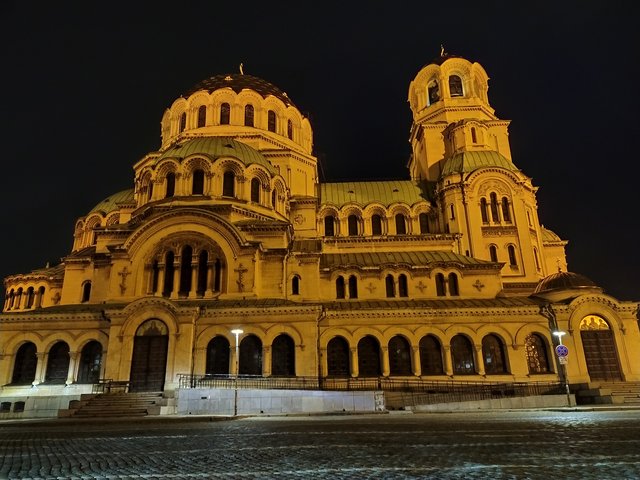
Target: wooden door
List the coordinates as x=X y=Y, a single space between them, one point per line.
x=149 y=363
x=600 y=354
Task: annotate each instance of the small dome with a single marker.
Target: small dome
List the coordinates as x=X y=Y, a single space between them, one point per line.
x=238 y=82
x=465 y=162
x=564 y=281
x=113 y=202
x=549 y=236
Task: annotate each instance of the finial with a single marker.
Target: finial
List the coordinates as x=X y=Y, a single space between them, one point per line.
x=241 y=72
x=442 y=52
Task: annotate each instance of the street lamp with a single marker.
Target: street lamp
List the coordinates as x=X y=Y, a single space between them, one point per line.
x=237 y=332
x=561 y=352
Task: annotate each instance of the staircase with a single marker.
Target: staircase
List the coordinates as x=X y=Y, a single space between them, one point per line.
x=115 y=405
x=609 y=393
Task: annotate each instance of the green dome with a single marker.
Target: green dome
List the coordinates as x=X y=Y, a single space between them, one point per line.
x=113 y=202
x=466 y=162
x=216 y=147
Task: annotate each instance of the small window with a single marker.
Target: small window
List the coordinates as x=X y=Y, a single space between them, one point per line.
x=536 y=258
x=453 y=285
x=529 y=219
x=295 y=285
x=18 y=407
x=424 y=223
x=401 y=224
x=5 y=407
x=506 y=212
x=255 y=190
x=493 y=253
x=171 y=185
x=376 y=225
x=433 y=92
x=455 y=86
x=340 y=287
x=290 y=129
x=329 y=226
x=474 y=138
x=225 y=114
x=403 y=290
x=441 y=290
x=390 y=286
x=248 y=115
x=452 y=212
x=202 y=116
x=352 y=223
x=512 y=256
x=228 y=184
x=353 y=287
x=183 y=122
x=197 y=186
x=495 y=216
x=484 y=210
x=86 y=292
x=271 y=121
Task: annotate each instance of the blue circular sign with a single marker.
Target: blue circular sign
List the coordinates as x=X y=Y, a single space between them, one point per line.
x=562 y=350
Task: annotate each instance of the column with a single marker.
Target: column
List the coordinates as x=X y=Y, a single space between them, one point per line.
x=415 y=359
x=194 y=279
x=176 y=280
x=385 y=361
x=266 y=361
x=233 y=368
x=354 y=362
x=448 y=364
x=73 y=361
x=208 y=291
x=149 y=278
x=40 y=368
x=161 y=269
x=479 y=360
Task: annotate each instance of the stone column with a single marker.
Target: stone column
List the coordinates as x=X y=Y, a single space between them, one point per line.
x=384 y=351
x=149 y=279
x=448 y=364
x=40 y=368
x=194 y=279
x=208 y=290
x=176 y=280
x=161 y=270
x=415 y=360
x=479 y=360
x=266 y=361
x=354 y=362
x=73 y=363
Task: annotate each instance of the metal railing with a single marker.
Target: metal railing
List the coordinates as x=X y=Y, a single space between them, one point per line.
x=107 y=385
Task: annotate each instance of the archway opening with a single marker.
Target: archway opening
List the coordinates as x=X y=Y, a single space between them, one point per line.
x=149 y=361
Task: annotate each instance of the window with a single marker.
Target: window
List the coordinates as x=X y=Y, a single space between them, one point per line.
x=506 y=212
x=338 y=357
x=90 y=363
x=248 y=115
x=440 y=285
x=185 y=270
x=452 y=212
x=203 y=262
x=271 y=121
x=57 y=364
x=376 y=225
x=493 y=355
x=217 y=360
x=283 y=357
x=431 y=356
x=424 y=223
x=150 y=190
x=433 y=92
x=455 y=86
x=295 y=285
x=290 y=129
x=24 y=369
x=493 y=253
x=250 y=356
x=484 y=212
x=495 y=216
x=403 y=290
x=390 y=286
x=453 y=285
x=462 y=356
x=30 y=298
x=529 y=218
x=474 y=138
x=228 y=184
x=353 y=287
x=401 y=224
x=171 y=185
x=536 y=351
x=225 y=114
x=202 y=116
x=329 y=226
x=369 y=357
x=86 y=292
x=340 y=287
x=399 y=356
x=352 y=223
x=512 y=256
x=255 y=190
x=536 y=258
x=183 y=121
x=197 y=185
x=168 y=274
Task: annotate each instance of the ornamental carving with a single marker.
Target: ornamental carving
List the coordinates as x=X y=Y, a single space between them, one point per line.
x=493 y=186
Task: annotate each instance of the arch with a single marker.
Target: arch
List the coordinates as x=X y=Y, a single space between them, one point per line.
x=431 y=356
x=217 y=360
x=598 y=344
x=369 y=357
x=90 y=362
x=493 y=355
x=283 y=357
x=462 y=356
x=250 y=361
x=537 y=353
x=149 y=357
x=86 y=291
x=338 y=357
x=57 y=363
x=24 y=367
x=399 y=356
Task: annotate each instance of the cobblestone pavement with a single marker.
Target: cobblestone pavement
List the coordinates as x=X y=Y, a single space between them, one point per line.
x=498 y=445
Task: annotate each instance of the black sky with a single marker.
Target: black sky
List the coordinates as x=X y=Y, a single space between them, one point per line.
x=86 y=85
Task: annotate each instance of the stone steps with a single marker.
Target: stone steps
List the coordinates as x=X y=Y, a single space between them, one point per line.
x=115 y=405
x=607 y=393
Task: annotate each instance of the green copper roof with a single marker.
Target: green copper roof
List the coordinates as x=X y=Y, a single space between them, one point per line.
x=364 y=193
x=377 y=259
x=111 y=203
x=465 y=162
x=216 y=147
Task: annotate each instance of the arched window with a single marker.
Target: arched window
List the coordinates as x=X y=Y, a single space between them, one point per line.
x=171 y=185
x=86 y=292
x=150 y=190
x=271 y=121
x=462 y=356
x=255 y=190
x=353 y=287
x=283 y=357
x=484 y=211
x=338 y=357
x=185 y=271
x=455 y=86
x=352 y=223
x=248 y=115
x=203 y=261
x=403 y=288
x=183 y=121
x=536 y=258
x=30 y=298
x=506 y=212
x=340 y=293
x=441 y=289
x=250 y=362
x=295 y=285
x=329 y=226
x=202 y=116
x=225 y=114
x=512 y=256
x=453 y=285
x=58 y=363
x=228 y=184
x=495 y=216
x=493 y=253
x=452 y=212
x=274 y=196
x=401 y=224
x=474 y=138
x=390 y=286
x=431 y=356
x=24 y=368
x=433 y=92
x=197 y=185
x=290 y=129
x=423 y=219
x=40 y=296
x=217 y=356
x=376 y=225
x=369 y=357
x=493 y=355
x=168 y=274
x=90 y=363
x=536 y=350
x=11 y=299
x=399 y=356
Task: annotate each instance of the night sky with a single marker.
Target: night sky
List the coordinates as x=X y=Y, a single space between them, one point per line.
x=86 y=85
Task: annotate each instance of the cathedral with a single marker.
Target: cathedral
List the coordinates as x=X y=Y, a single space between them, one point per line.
x=229 y=256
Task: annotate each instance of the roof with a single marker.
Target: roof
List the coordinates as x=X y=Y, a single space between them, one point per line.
x=238 y=82
x=549 y=236
x=465 y=162
x=113 y=202
x=564 y=281
x=364 y=193
x=378 y=259
x=216 y=147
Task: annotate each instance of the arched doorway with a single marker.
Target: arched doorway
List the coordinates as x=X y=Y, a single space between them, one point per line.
x=338 y=357
x=149 y=361
x=399 y=356
x=462 y=356
x=599 y=349
x=24 y=369
x=369 y=357
x=90 y=363
x=218 y=356
x=431 y=356
x=58 y=363
x=250 y=356
x=283 y=356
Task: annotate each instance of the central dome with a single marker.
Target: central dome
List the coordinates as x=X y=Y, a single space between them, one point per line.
x=238 y=82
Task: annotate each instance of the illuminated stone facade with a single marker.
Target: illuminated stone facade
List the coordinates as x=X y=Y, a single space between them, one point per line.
x=435 y=276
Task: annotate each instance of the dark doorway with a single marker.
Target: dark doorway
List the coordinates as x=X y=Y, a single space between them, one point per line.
x=283 y=357
x=149 y=362
x=338 y=357
x=24 y=370
x=218 y=356
x=399 y=356
x=90 y=363
x=58 y=364
x=369 y=357
x=250 y=356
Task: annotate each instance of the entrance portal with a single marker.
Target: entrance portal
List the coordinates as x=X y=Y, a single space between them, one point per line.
x=149 y=362
x=599 y=349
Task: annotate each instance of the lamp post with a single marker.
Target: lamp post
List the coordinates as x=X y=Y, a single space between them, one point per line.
x=237 y=332
x=561 y=352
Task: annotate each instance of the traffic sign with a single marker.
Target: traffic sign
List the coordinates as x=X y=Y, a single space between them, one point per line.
x=563 y=360
x=562 y=351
